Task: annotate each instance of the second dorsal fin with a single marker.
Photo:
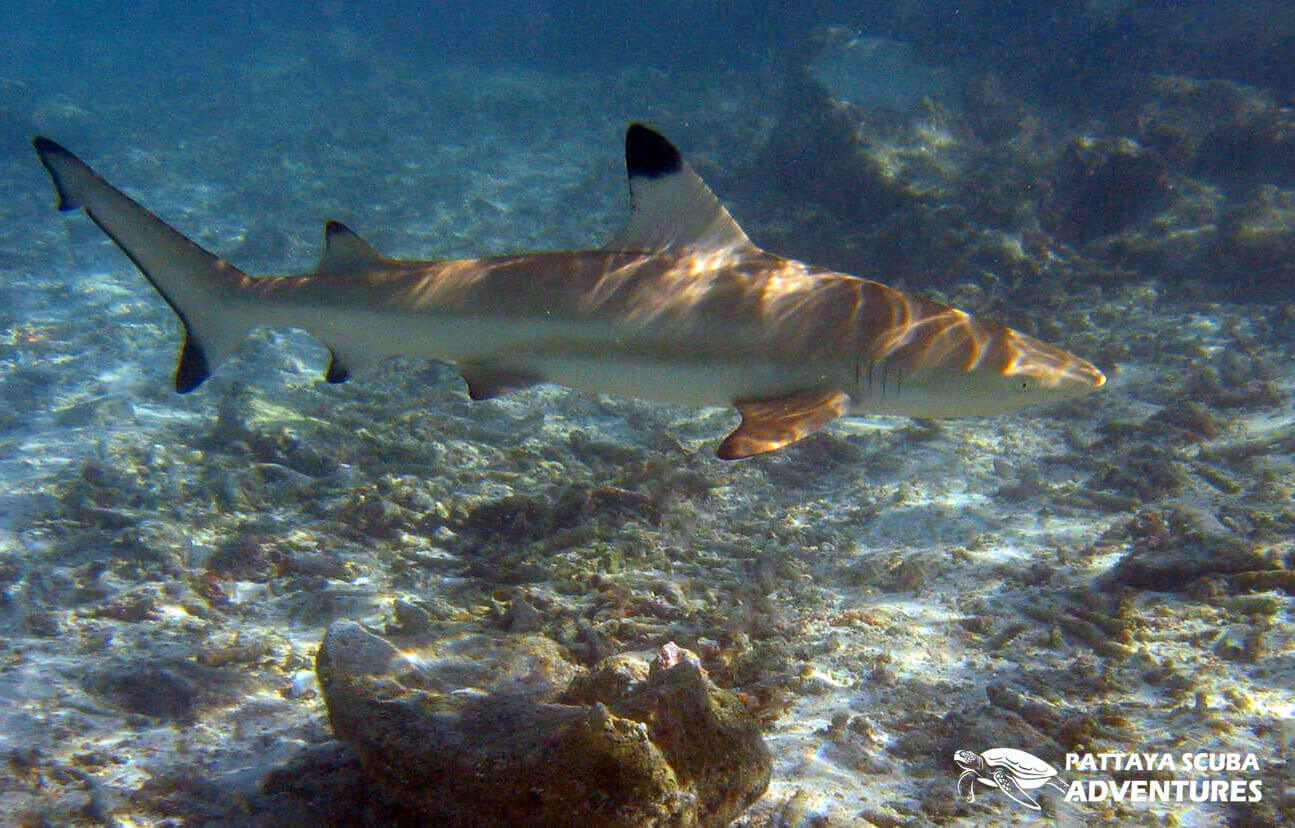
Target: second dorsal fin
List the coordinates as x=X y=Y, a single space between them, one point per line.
x=345 y=252
x=672 y=207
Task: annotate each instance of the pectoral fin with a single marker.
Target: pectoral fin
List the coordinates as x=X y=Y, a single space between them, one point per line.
x=768 y=425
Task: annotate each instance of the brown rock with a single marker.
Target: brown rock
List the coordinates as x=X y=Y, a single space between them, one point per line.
x=476 y=736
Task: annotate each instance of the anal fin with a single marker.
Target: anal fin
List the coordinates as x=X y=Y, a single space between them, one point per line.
x=485 y=382
x=768 y=425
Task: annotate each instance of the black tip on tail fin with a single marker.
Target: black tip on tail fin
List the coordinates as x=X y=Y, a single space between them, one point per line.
x=48 y=150
x=337 y=370
x=193 y=369
x=194 y=282
x=648 y=153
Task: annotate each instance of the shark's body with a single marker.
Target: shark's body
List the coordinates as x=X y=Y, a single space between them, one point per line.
x=679 y=307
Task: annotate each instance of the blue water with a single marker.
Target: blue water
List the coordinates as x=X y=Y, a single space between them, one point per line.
x=1114 y=177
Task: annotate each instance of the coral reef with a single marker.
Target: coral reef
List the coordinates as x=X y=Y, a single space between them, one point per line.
x=1190 y=544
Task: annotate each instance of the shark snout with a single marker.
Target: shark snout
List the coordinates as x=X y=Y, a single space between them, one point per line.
x=1087 y=375
x=1075 y=376
x=1054 y=372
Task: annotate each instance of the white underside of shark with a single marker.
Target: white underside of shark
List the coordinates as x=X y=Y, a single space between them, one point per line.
x=679 y=307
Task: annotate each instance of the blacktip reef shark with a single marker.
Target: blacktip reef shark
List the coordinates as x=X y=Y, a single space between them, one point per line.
x=678 y=307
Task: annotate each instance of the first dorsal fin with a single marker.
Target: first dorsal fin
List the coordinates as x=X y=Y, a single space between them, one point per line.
x=345 y=252
x=672 y=207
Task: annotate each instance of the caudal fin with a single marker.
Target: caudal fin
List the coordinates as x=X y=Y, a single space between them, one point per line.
x=197 y=285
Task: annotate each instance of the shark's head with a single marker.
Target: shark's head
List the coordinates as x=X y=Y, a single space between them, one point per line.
x=940 y=362
x=1037 y=372
x=1017 y=371
x=1044 y=373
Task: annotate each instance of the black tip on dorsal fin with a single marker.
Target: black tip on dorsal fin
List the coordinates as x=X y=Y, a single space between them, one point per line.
x=649 y=154
x=673 y=207
x=335 y=228
x=345 y=251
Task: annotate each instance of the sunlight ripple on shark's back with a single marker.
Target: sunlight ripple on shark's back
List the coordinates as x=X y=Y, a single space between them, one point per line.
x=679 y=307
